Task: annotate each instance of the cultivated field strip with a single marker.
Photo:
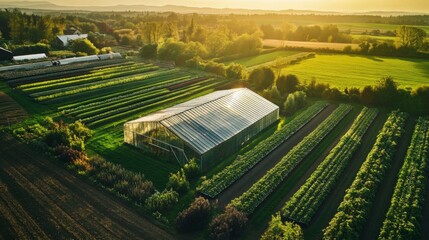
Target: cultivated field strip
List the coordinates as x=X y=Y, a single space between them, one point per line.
x=43 y=74
x=405 y=212
x=354 y=209
x=306 y=201
x=97 y=75
x=254 y=196
x=222 y=180
x=64 y=206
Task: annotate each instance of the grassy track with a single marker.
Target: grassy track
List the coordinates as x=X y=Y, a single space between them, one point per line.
x=358 y=71
x=263 y=58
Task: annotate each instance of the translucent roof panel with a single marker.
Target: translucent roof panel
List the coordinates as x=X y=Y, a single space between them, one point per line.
x=207 y=121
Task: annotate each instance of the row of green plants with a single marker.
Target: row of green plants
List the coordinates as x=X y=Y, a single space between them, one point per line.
x=242 y=164
x=406 y=210
x=46 y=95
x=48 y=86
x=91 y=73
x=256 y=194
x=123 y=92
x=355 y=208
x=144 y=93
x=305 y=202
x=167 y=98
x=15 y=78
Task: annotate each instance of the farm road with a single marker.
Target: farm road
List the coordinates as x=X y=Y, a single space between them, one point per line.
x=259 y=170
x=40 y=199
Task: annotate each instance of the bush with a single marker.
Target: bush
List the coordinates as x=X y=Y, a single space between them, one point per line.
x=162 y=200
x=294 y=102
x=282 y=231
x=287 y=84
x=216 y=68
x=177 y=181
x=195 y=217
x=192 y=170
x=228 y=224
x=85 y=46
x=149 y=51
x=262 y=78
x=236 y=71
x=31 y=49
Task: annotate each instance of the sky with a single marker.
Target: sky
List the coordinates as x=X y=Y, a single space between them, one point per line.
x=321 y=5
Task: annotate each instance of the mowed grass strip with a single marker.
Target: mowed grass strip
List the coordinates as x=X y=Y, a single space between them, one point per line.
x=343 y=71
x=262 y=58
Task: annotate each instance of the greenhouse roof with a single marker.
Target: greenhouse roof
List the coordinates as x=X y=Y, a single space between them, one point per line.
x=207 y=121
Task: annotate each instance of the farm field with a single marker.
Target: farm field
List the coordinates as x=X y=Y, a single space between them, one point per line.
x=358 y=28
x=265 y=177
x=40 y=199
x=10 y=111
x=358 y=71
x=302 y=44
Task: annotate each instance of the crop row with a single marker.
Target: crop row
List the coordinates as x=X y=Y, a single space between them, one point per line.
x=93 y=86
x=219 y=182
x=304 y=203
x=159 y=85
x=91 y=73
x=118 y=91
x=98 y=80
x=256 y=194
x=87 y=78
x=151 y=103
x=354 y=209
x=405 y=212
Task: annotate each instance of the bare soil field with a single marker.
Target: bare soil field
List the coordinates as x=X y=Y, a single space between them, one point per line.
x=10 y=111
x=312 y=45
x=40 y=199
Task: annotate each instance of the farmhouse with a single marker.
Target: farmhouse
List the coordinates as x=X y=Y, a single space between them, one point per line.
x=64 y=40
x=207 y=128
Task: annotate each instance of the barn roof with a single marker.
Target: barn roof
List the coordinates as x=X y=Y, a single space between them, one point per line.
x=66 y=38
x=207 y=121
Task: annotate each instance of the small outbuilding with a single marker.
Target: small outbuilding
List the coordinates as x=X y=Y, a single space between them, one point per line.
x=29 y=57
x=64 y=40
x=5 y=55
x=209 y=128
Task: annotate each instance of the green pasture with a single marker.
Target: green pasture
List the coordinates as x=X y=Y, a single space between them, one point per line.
x=262 y=58
x=358 y=71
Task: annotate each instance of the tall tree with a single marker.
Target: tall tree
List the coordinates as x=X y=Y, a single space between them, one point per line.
x=410 y=37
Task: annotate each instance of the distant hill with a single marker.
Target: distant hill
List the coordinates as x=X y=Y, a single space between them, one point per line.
x=44 y=5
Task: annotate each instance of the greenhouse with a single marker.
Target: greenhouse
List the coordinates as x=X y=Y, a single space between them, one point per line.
x=208 y=128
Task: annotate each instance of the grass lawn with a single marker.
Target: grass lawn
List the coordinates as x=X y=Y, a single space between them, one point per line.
x=358 y=71
x=263 y=58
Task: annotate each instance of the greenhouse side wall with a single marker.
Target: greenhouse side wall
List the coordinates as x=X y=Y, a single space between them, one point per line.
x=234 y=144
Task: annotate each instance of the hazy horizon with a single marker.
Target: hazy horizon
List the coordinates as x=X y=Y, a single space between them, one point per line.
x=327 y=5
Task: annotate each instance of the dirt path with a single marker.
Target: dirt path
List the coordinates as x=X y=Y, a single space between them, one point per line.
x=385 y=191
x=39 y=199
x=329 y=206
x=248 y=179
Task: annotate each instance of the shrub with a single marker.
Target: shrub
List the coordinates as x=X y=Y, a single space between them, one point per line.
x=216 y=68
x=31 y=49
x=294 y=102
x=195 y=217
x=262 y=78
x=236 y=71
x=149 y=50
x=192 y=170
x=279 y=230
x=287 y=84
x=85 y=46
x=162 y=200
x=177 y=181
x=228 y=224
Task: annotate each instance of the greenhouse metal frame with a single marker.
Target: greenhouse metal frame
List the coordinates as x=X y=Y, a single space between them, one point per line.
x=208 y=128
